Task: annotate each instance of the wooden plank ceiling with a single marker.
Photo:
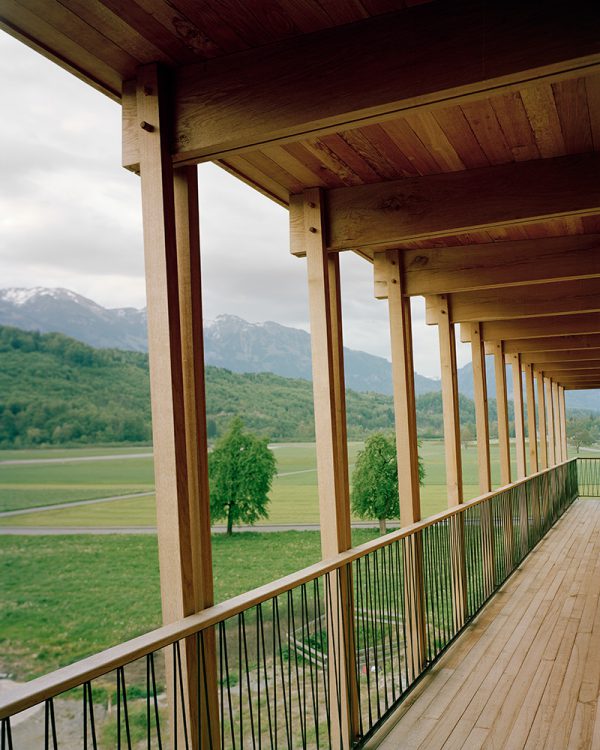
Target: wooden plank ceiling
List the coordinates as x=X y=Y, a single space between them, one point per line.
x=551 y=114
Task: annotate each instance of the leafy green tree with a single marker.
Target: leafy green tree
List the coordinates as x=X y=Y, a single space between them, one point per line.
x=375 y=480
x=241 y=471
x=582 y=431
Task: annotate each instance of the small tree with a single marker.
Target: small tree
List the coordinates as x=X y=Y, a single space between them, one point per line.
x=580 y=433
x=241 y=471
x=375 y=480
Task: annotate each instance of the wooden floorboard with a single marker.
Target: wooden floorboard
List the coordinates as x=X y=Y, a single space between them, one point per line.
x=526 y=672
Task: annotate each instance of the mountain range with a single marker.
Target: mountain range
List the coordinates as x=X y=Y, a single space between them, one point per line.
x=230 y=342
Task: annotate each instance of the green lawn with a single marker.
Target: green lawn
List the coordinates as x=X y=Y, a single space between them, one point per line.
x=64 y=598
x=32 y=485
x=293 y=498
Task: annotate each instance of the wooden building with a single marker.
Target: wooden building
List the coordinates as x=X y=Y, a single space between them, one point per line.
x=454 y=146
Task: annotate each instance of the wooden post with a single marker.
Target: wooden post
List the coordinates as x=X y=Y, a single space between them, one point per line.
x=515 y=363
x=563 y=421
x=483 y=453
x=556 y=418
x=531 y=420
x=389 y=284
x=502 y=412
x=440 y=309
x=550 y=420
x=176 y=359
x=541 y=410
x=332 y=461
x=481 y=408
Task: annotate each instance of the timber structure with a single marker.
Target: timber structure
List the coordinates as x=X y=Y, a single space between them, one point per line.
x=455 y=147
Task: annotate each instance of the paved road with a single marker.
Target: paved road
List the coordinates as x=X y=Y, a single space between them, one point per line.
x=68 y=530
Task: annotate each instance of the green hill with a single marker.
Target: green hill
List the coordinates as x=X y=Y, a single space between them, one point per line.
x=56 y=390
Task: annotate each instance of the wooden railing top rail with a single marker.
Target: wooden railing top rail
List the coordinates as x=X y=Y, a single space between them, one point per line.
x=40 y=689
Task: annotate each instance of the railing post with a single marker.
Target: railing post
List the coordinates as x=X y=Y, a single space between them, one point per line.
x=332 y=462
x=390 y=284
x=172 y=259
x=438 y=311
x=483 y=453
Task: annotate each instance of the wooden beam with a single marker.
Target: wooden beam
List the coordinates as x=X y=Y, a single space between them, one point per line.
x=552 y=458
x=383 y=215
x=443 y=270
x=173 y=284
x=535 y=328
x=551 y=344
x=577 y=368
x=515 y=362
x=541 y=413
x=534 y=300
x=332 y=456
x=564 y=355
x=481 y=410
x=531 y=421
x=574 y=375
x=502 y=413
x=314 y=83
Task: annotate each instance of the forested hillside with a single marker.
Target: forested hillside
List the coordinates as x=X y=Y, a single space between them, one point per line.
x=55 y=390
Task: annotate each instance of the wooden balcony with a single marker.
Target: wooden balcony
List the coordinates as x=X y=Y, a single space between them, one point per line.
x=525 y=673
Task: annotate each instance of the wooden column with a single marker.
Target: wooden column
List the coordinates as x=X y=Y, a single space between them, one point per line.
x=483 y=454
x=515 y=363
x=550 y=421
x=531 y=421
x=176 y=359
x=541 y=410
x=556 y=419
x=481 y=408
x=563 y=422
x=332 y=460
x=390 y=284
x=502 y=412
x=454 y=488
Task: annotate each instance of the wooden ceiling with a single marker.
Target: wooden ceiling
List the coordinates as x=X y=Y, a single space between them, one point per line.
x=462 y=133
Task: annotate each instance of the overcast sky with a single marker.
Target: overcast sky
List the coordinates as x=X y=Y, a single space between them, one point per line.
x=70 y=216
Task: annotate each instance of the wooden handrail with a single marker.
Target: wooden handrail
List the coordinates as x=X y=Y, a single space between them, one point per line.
x=40 y=689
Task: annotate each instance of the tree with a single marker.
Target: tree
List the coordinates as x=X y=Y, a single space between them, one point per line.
x=375 y=480
x=241 y=471
x=467 y=434
x=582 y=431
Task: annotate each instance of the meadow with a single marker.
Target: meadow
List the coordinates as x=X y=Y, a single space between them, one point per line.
x=65 y=597
x=293 y=497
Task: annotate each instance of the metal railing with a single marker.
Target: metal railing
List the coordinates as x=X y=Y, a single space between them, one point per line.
x=588 y=476
x=315 y=660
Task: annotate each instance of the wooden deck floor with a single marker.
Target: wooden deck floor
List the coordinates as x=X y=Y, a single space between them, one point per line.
x=526 y=673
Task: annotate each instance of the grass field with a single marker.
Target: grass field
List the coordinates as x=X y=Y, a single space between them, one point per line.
x=293 y=498
x=64 y=598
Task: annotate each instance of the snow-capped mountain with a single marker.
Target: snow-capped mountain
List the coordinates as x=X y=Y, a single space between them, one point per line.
x=64 y=311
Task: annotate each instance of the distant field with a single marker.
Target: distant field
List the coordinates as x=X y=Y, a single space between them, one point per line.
x=293 y=498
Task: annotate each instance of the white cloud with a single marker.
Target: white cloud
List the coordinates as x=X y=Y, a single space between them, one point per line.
x=71 y=216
